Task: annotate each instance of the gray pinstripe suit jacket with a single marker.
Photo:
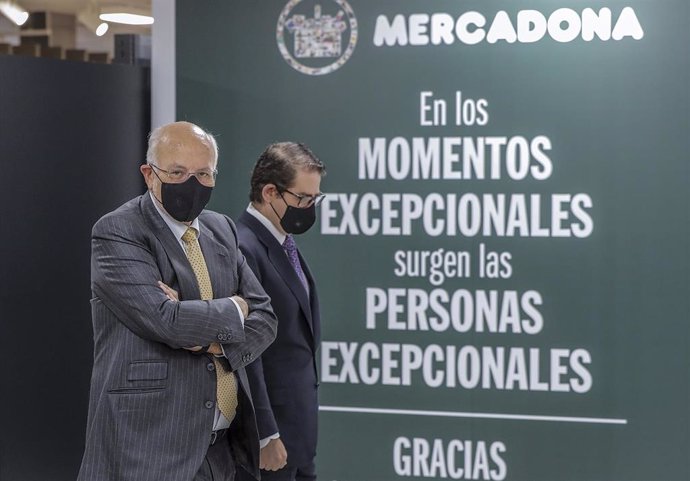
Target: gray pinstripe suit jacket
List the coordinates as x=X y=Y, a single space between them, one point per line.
x=149 y=412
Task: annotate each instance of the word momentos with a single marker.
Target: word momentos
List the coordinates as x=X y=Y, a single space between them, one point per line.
x=454 y=158
x=563 y=25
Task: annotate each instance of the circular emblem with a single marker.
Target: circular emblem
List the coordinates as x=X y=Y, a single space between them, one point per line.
x=316 y=37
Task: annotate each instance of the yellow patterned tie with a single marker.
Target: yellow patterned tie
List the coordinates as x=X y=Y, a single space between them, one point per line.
x=226 y=391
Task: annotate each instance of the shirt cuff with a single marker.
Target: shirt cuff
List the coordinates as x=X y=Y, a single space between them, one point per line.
x=264 y=442
x=239 y=310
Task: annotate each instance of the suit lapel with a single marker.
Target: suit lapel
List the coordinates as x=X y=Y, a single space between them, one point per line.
x=277 y=257
x=315 y=319
x=188 y=286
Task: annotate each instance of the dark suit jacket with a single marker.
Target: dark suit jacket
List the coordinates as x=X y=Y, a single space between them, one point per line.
x=152 y=403
x=284 y=379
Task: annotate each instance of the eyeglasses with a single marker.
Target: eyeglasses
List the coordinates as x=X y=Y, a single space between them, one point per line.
x=307 y=200
x=206 y=177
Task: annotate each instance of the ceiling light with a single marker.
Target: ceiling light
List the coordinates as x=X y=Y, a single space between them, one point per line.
x=89 y=18
x=127 y=18
x=102 y=29
x=18 y=15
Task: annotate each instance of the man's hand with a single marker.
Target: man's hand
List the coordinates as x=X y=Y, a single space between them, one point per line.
x=169 y=291
x=273 y=456
x=244 y=307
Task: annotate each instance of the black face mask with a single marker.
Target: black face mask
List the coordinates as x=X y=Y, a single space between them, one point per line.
x=184 y=202
x=296 y=220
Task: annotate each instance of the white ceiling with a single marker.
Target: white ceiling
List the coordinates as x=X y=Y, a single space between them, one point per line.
x=75 y=6
x=85 y=39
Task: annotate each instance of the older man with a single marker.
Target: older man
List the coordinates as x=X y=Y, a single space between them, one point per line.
x=177 y=315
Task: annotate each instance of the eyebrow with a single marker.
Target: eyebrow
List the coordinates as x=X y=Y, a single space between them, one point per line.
x=178 y=166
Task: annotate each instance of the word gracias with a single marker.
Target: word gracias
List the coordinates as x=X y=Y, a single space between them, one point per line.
x=563 y=25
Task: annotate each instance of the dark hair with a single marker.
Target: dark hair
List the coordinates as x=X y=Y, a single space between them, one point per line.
x=278 y=165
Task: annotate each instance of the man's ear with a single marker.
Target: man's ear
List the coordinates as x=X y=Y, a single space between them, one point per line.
x=269 y=193
x=147 y=171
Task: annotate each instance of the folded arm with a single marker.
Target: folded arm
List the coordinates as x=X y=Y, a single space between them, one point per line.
x=125 y=276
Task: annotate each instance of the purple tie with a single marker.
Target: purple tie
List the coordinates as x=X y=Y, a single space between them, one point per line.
x=291 y=251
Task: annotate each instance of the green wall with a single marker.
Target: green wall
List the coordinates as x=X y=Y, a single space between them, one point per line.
x=566 y=358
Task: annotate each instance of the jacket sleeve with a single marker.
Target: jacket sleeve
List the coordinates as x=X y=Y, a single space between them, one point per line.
x=125 y=275
x=261 y=325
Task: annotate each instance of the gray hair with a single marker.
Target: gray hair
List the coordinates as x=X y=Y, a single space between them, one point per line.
x=160 y=134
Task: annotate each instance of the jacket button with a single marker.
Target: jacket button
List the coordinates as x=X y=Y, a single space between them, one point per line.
x=210 y=366
x=209 y=404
